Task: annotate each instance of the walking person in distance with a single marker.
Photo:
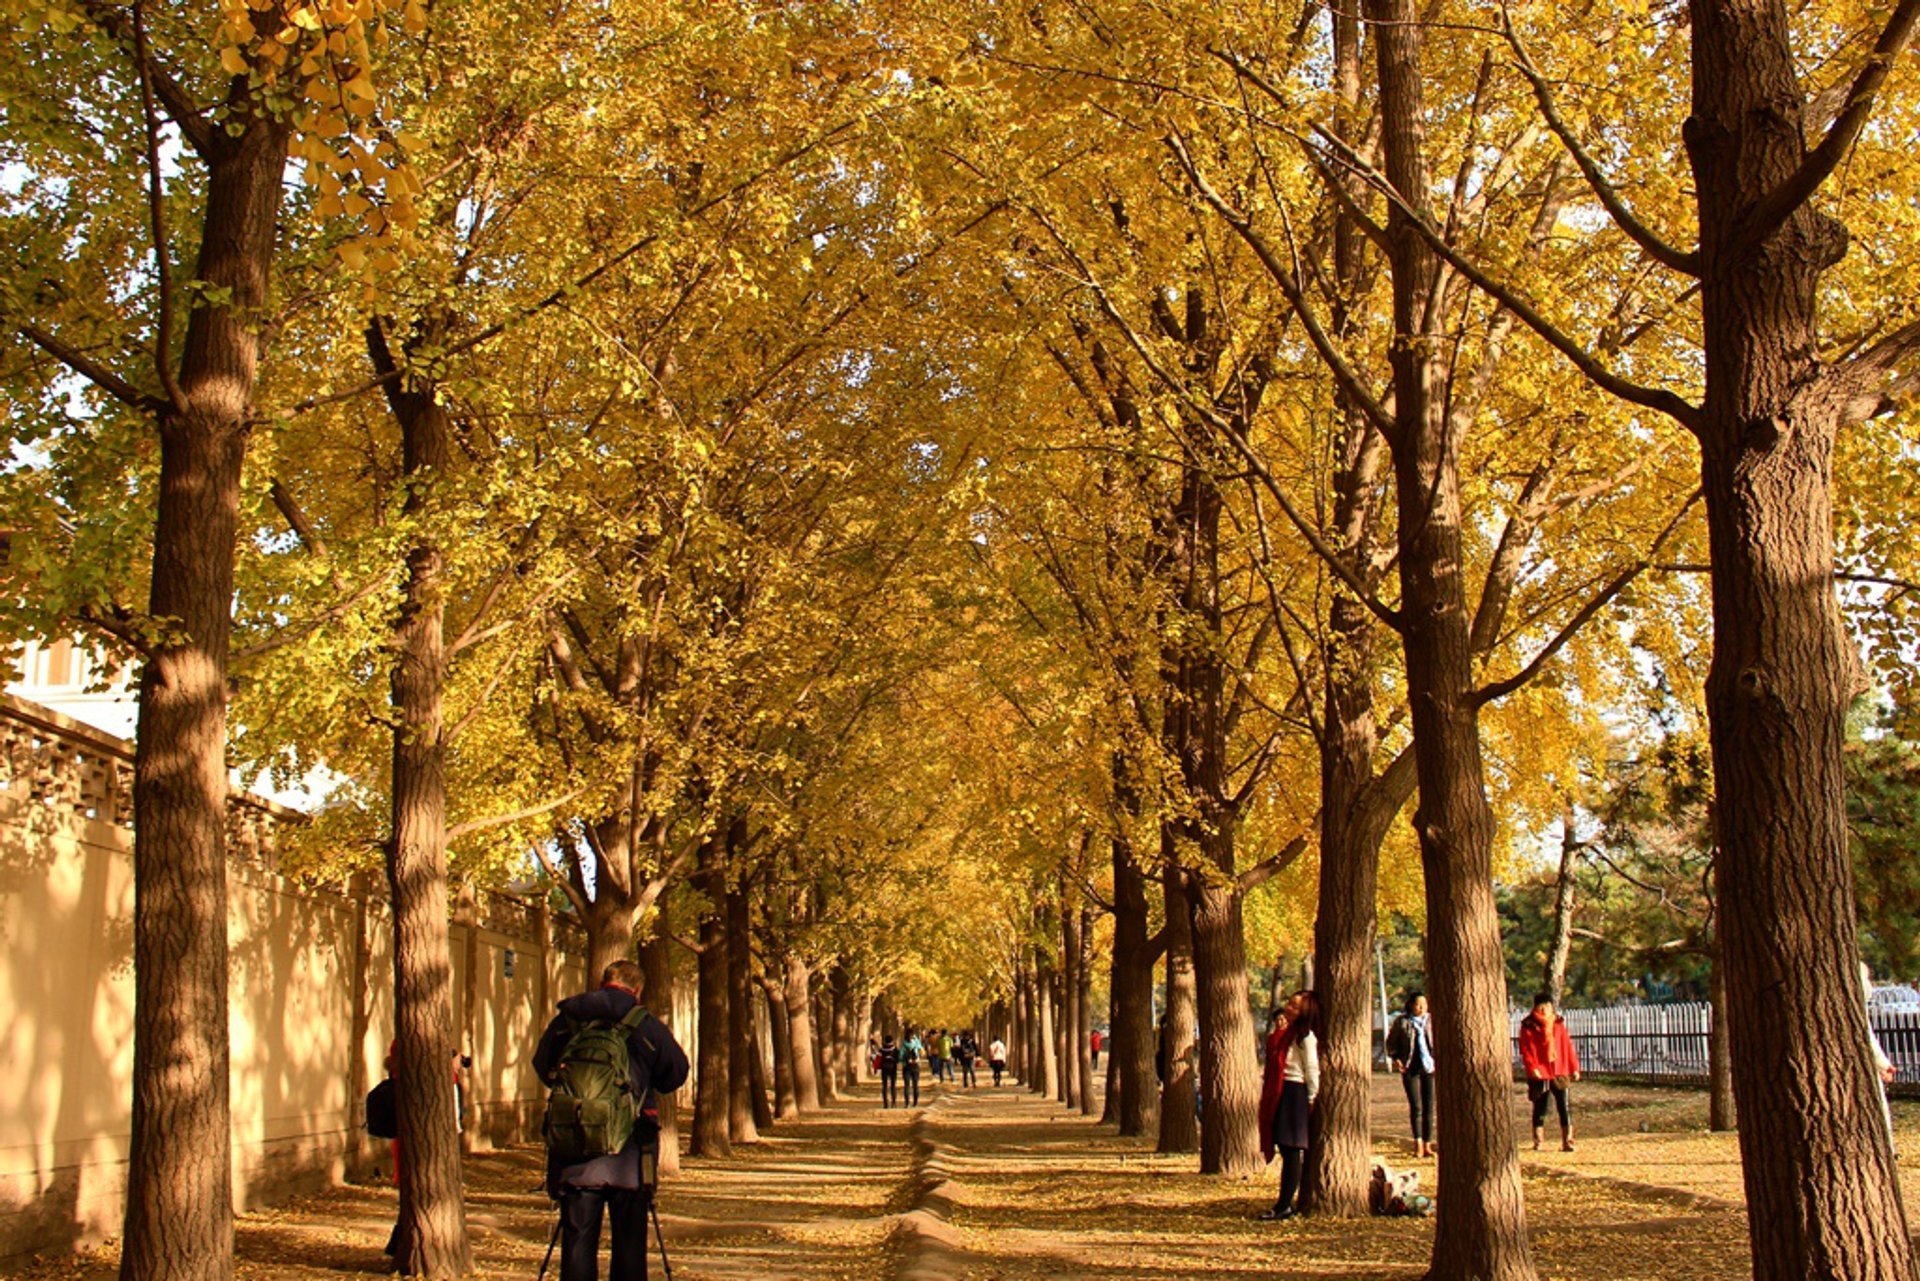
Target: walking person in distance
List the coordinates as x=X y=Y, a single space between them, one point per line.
x=886 y=1061
x=912 y=1050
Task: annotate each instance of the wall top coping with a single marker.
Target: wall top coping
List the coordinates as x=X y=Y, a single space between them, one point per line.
x=59 y=724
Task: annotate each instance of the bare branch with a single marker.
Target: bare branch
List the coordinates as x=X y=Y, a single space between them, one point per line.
x=1655 y=398
x=1687 y=262
x=501 y=820
x=1618 y=584
x=94 y=372
x=157 y=219
x=1817 y=165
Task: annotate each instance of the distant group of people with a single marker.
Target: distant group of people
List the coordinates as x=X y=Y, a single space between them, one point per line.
x=949 y=1057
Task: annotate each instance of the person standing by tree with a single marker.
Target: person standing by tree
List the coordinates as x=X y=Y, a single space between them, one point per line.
x=1410 y=1049
x=1287 y=1095
x=1546 y=1051
x=1094 y=1045
x=965 y=1052
x=589 y=1184
x=997 y=1059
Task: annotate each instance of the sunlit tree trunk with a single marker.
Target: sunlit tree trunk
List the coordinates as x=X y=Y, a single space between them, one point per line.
x=179 y=1215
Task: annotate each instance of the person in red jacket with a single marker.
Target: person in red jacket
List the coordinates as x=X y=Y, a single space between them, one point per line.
x=1547 y=1053
x=1287 y=1095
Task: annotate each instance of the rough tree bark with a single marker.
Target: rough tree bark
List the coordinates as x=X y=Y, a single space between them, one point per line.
x=799 y=1002
x=1072 y=1083
x=1722 y=1113
x=1138 y=1106
x=656 y=958
x=741 y=1052
x=1480 y=1232
x=840 y=983
x=1179 y=1128
x=1823 y=1198
x=179 y=1217
x=785 y=1103
x=433 y=1225
x=1561 y=943
x=1083 y=1009
x=712 y=1092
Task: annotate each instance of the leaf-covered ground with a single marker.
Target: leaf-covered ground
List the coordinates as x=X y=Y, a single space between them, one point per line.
x=1037 y=1192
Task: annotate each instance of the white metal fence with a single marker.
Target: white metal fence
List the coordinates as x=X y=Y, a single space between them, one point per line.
x=1669 y=1042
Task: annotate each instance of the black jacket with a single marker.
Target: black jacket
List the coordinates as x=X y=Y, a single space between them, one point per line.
x=659 y=1065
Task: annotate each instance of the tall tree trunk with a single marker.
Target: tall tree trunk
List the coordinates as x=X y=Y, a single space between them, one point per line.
x=785 y=1103
x=1481 y=1230
x=741 y=1052
x=609 y=922
x=1196 y=729
x=1071 y=1082
x=712 y=1092
x=1229 y=1070
x=806 y=1077
x=1083 y=1010
x=862 y=1033
x=1017 y=1025
x=822 y=1009
x=179 y=1215
x=1722 y=1114
x=1823 y=1196
x=1132 y=1048
x=760 y=1049
x=1562 y=941
x=1047 y=1077
x=1179 y=1128
x=840 y=984
x=656 y=958
x=433 y=1225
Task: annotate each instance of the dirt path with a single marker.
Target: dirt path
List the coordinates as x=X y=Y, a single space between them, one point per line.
x=815 y=1202
x=1036 y=1192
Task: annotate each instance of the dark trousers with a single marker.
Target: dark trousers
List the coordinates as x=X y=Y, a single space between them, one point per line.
x=889 y=1087
x=998 y=1066
x=966 y=1073
x=1540 y=1092
x=910 y=1078
x=1290 y=1162
x=580 y=1213
x=1419 y=1088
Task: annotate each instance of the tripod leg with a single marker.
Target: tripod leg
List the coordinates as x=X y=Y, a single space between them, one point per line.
x=558 y=1224
x=659 y=1235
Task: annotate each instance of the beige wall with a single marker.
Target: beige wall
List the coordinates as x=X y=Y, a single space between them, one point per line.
x=310 y=970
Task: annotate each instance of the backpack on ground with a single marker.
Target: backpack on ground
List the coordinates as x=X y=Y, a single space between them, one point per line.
x=591 y=1108
x=383 y=1113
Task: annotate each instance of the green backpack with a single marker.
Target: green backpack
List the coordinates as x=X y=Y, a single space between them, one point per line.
x=591 y=1110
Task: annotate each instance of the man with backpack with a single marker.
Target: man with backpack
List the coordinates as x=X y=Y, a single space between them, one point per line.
x=605 y=1060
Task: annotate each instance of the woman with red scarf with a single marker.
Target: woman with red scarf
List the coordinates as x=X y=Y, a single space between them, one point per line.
x=1547 y=1053
x=1287 y=1095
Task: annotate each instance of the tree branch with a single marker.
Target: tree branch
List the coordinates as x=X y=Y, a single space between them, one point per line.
x=501 y=820
x=1655 y=398
x=1656 y=248
x=1500 y=689
x=97 y=374
x=157 y=218
x=1817 y=165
